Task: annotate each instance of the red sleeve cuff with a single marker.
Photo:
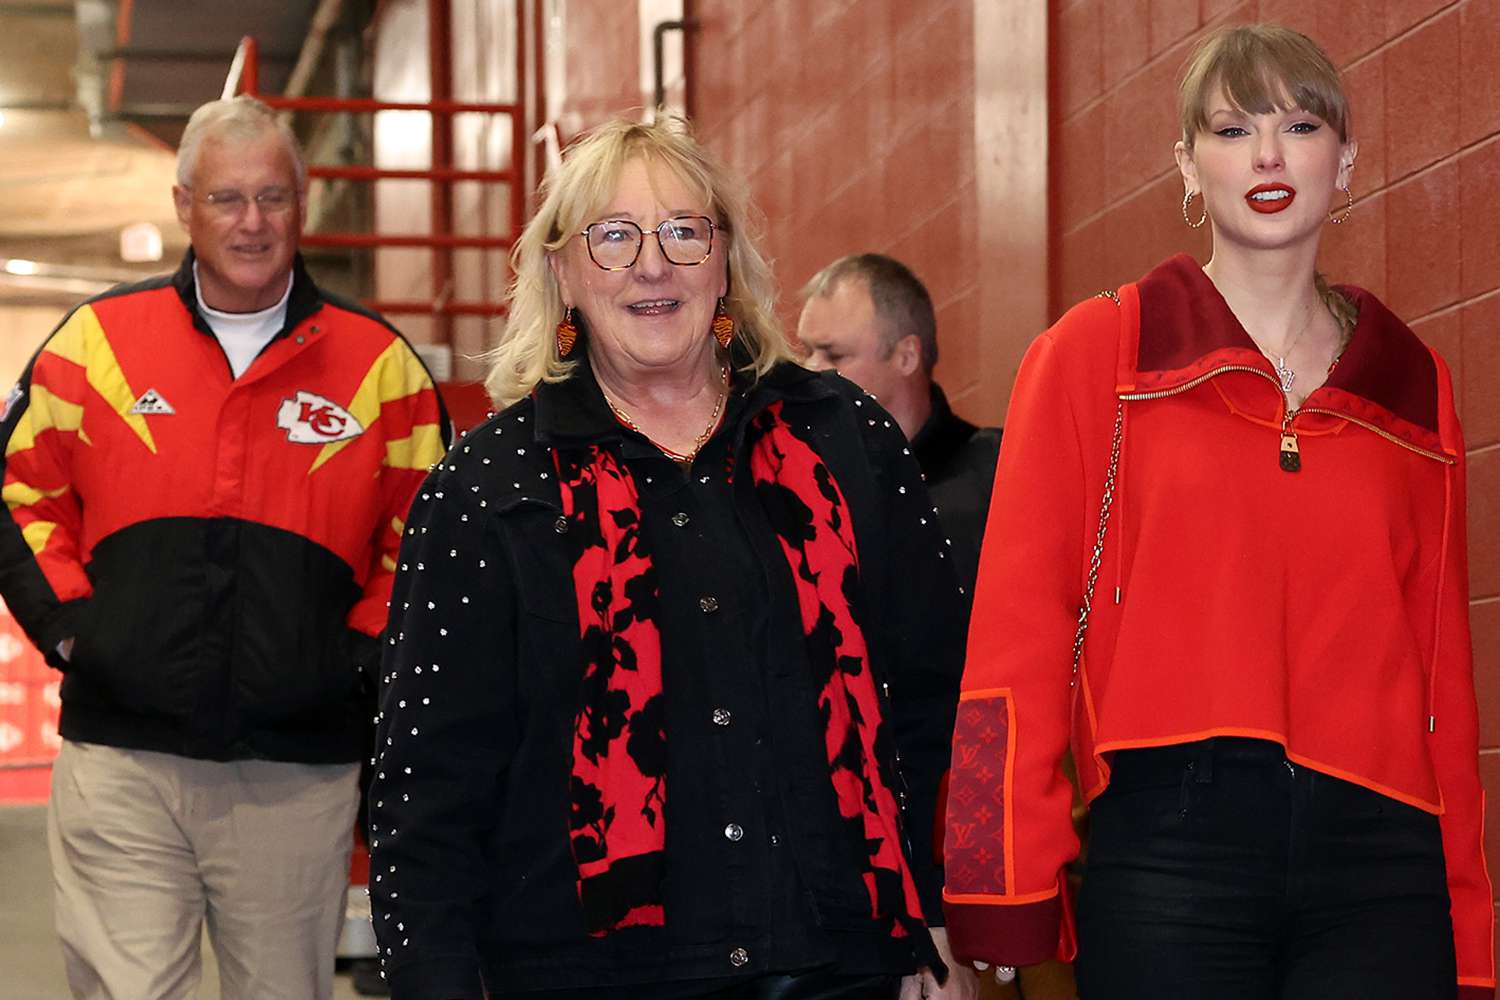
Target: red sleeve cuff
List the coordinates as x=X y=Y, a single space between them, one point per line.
x=1476 y=993
x=1020 y=934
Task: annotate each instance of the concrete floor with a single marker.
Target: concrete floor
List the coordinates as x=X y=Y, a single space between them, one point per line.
x=31 y=966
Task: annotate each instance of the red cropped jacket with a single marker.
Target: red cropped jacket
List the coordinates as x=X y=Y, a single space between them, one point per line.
x=1324 y=609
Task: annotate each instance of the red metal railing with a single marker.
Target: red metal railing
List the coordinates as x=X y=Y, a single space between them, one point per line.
x=244 y=77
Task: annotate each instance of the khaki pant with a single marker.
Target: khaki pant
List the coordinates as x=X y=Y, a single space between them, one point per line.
x=146 y=846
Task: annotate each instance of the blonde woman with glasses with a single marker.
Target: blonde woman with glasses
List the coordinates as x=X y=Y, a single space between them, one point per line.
x=675 y=640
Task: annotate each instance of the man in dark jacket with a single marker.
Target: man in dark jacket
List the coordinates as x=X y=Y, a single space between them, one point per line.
x=868 y=316
x=206 y=478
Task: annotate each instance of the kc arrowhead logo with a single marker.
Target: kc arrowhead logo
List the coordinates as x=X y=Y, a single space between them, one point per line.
x=310 y=419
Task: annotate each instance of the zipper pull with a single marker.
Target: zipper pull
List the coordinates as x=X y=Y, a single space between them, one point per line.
x=1291 y=456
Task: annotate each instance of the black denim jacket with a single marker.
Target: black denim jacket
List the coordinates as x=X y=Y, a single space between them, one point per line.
x=472 y=878
x=958 y=460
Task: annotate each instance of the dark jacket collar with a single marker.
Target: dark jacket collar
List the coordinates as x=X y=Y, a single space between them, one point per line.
x=1187 y=329
x=304 y=300
x=573 y=412
x=941 y=435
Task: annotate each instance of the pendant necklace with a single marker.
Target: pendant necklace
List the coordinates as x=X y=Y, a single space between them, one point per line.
x=1284 y=374
x=1291 y=455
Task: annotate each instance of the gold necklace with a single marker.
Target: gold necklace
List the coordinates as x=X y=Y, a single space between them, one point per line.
x=681 y=458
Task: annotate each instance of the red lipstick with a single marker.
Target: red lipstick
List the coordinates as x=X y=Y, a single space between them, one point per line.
x=1269 y=199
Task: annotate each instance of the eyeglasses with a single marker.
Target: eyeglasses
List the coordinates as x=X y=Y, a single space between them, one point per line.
x=233 y=204
x=615 y=244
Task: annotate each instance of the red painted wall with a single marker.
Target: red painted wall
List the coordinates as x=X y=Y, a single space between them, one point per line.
x=851 y=121
x=1424 y=79
x=854 y=124
x=602 y=59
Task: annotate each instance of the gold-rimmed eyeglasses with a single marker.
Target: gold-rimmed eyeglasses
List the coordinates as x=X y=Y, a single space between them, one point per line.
x=685 y=240
x=233 y=204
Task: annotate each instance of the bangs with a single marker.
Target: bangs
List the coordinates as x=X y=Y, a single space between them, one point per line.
x=592 y=175
x=688 y=171
x=583 y=187
x=1260 y=69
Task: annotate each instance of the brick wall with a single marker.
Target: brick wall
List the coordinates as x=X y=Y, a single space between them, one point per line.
x=1424 y=80
x=602 y=63
x=854 y=123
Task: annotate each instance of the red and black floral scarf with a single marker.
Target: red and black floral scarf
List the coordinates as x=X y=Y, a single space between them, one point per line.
x=619 y=738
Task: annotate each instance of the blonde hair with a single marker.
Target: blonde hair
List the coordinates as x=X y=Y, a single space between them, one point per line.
x=241 y=119
x=571 y=197
x=1263 y=68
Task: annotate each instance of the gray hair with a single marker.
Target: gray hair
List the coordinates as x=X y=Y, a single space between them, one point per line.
x=902 y=303
x=239 y=118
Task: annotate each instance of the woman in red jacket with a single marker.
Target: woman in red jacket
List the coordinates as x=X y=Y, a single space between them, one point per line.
x=1253 y=486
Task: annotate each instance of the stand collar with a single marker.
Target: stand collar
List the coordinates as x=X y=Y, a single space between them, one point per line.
x=303 y=301
x=573 y=412
x=1187 y=329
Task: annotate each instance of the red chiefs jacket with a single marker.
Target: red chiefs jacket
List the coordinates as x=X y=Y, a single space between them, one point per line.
x=1331 y=603
x=221 y=549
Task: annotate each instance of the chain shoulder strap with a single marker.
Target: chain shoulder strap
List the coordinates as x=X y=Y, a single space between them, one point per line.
x=1105 y=503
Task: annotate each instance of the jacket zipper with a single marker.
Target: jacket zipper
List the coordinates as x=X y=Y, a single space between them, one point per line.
x=1195 y=382
x=1424 y=452
x=1290 y=456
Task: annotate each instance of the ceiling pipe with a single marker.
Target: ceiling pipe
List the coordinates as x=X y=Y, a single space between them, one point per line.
x=38 y=105
x=324 y=20
x=163 y=110
x=24 y=267
x=659 y=57
x=46 y=279
x=96 y=33
x=243 y=70
x=34 y=10
x=215 y=56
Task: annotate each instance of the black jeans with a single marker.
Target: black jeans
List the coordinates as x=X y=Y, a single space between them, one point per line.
x=1219 y=870
x=814 y=986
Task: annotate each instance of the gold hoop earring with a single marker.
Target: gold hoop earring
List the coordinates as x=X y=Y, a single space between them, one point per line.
x=1337 y=219
x=1187 y=199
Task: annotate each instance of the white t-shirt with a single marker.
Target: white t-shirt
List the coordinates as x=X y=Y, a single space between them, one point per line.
x=243 y=335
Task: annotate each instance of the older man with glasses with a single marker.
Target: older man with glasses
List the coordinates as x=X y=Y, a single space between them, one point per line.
x=205 y=481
